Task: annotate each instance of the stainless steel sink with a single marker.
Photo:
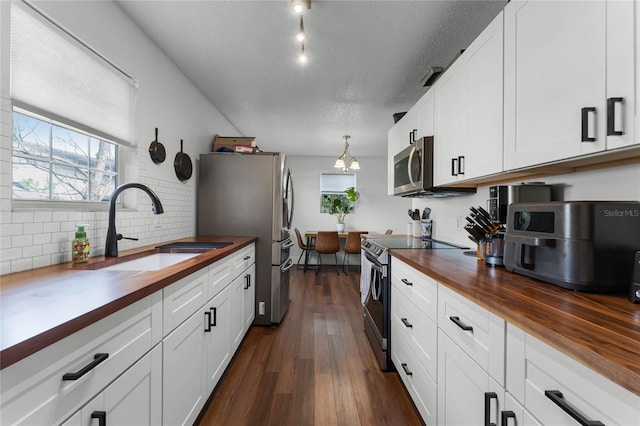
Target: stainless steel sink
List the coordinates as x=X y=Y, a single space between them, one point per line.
x=191 y=246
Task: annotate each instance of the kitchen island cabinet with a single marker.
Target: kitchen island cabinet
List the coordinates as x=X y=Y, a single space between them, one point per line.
x=595 y=336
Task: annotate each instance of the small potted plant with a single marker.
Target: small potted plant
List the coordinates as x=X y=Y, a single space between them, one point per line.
x=340 y=205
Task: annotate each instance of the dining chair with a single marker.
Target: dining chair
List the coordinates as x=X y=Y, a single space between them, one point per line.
x=306 y=249
x=351 y=246
x=327 y=242
x=388 y=232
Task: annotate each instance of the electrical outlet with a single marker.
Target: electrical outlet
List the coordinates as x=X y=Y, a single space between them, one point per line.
x=459 y=222
x=260 y=308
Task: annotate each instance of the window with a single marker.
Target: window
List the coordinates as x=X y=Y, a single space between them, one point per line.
x=332 y=187
x=56 y=162
x=72 y=110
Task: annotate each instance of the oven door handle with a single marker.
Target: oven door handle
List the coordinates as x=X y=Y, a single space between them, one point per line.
x=374 y=262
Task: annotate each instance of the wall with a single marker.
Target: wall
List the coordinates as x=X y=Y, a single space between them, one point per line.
x=617 y=183
x=166 y=99
x=375 y=210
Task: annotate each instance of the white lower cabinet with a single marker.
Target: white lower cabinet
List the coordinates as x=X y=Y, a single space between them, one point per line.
x=557 y=390
x=134 y=399
x=467 y=395
x=153 y=362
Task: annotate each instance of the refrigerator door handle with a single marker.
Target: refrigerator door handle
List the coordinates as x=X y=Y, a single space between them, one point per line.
x=287 y=265
x=289 y=192
x=287 y=243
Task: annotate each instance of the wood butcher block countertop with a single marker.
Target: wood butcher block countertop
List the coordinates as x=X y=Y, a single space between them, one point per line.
x=600 y=331
x=41 y=306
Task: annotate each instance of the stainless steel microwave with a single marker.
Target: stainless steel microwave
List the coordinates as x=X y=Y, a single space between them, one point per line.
x=413 y=172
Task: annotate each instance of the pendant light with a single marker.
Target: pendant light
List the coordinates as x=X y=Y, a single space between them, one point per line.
x=346 y=161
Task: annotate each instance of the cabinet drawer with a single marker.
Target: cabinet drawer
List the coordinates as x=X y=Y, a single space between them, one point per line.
x=182 y=298
x=478 y=332
x=418 y=382
x=220 y=276
x=242 y=260
x=417 y=329
x=33 y=389
x=416 y=286
x=584 y=391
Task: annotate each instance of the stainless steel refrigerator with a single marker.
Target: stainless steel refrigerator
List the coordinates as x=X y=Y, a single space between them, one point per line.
x=252 y=195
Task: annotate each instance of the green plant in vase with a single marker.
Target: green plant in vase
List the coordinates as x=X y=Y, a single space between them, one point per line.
x=340 y=205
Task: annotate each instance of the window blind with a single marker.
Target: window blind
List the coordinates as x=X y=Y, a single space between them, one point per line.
x=333 y=183
x=55 y=74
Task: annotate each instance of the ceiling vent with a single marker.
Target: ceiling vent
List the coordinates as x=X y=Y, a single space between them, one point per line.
x=431 y=76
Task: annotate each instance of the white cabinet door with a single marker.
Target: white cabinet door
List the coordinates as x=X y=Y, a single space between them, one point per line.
x=450 y=124
x=555 y=66
x=484 y=101
x=425 y=115
x=466 y=393
x=249 y=298
x=220 y=320
x=622 y=73
x=514 y=414
x=183 y=370
x=134 y=399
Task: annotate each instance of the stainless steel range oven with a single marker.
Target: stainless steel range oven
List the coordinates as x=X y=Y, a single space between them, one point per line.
x=375 y=286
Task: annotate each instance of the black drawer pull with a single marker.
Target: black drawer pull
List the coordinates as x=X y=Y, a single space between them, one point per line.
x=461 y=165
x=406 y=281
x=97 y=359
x=406 y=370
x=465 y=327
x=101 y=416
x=247 y=281
x=611 y=116
x=506 y=415
x=246 y=258
x=556 y=397
x=406 y=323
x=454 y=167
x=488 y=396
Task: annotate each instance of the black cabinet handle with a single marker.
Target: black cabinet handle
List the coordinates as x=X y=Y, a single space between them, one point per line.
x=406 y=323
x=585 y=124
x=406 y=281
x=488 y=396
x=506 y=415
x=461 y=165
x=454 y=167
x=101 y=416
x=246 y=257
x=207 y=321
x=556 y=397
x=611 y=116
x=97 y=359
x=465 y=327
x=406 y=370
x=247 y=281
x=215 y=316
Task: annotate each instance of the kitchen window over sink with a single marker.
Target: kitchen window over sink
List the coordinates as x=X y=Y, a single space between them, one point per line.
x=73 y=111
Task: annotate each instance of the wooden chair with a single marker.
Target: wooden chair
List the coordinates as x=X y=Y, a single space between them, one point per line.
x=388 y=232
x=306 y=249
x=327 y=242
x=351 y=246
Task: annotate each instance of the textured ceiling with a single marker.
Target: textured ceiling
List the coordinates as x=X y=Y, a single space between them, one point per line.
x=366 y=62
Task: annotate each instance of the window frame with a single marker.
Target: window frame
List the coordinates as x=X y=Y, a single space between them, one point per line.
x=54 y=204
x=340 y=194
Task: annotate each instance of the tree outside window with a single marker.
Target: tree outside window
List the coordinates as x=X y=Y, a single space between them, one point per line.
x=56 y=162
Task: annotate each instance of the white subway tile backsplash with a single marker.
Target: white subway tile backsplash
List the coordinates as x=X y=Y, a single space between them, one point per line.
x=10 y=254
x=42 y=238
x=32 y=228
x=10 y=229
x=32 y=251
x=42 y=216
x=22 y=217
x=51 y=227
x=42 y=261
x=21 y=240
x=60 y=216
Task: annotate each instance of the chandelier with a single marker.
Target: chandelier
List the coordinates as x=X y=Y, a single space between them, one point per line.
x=346 y=161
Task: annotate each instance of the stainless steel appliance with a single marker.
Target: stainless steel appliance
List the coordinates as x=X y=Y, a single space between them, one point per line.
x=252 y=195
x=375 y=287
x=413 y=172
x=579 y=245
x=500 y=196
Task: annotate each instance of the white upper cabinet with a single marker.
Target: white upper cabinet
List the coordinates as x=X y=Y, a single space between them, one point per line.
x=424 y=112
x=565 y=62
x=400 y=136
x=468 y=111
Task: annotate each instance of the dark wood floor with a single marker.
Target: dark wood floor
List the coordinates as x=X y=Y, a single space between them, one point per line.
x=316 y=368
